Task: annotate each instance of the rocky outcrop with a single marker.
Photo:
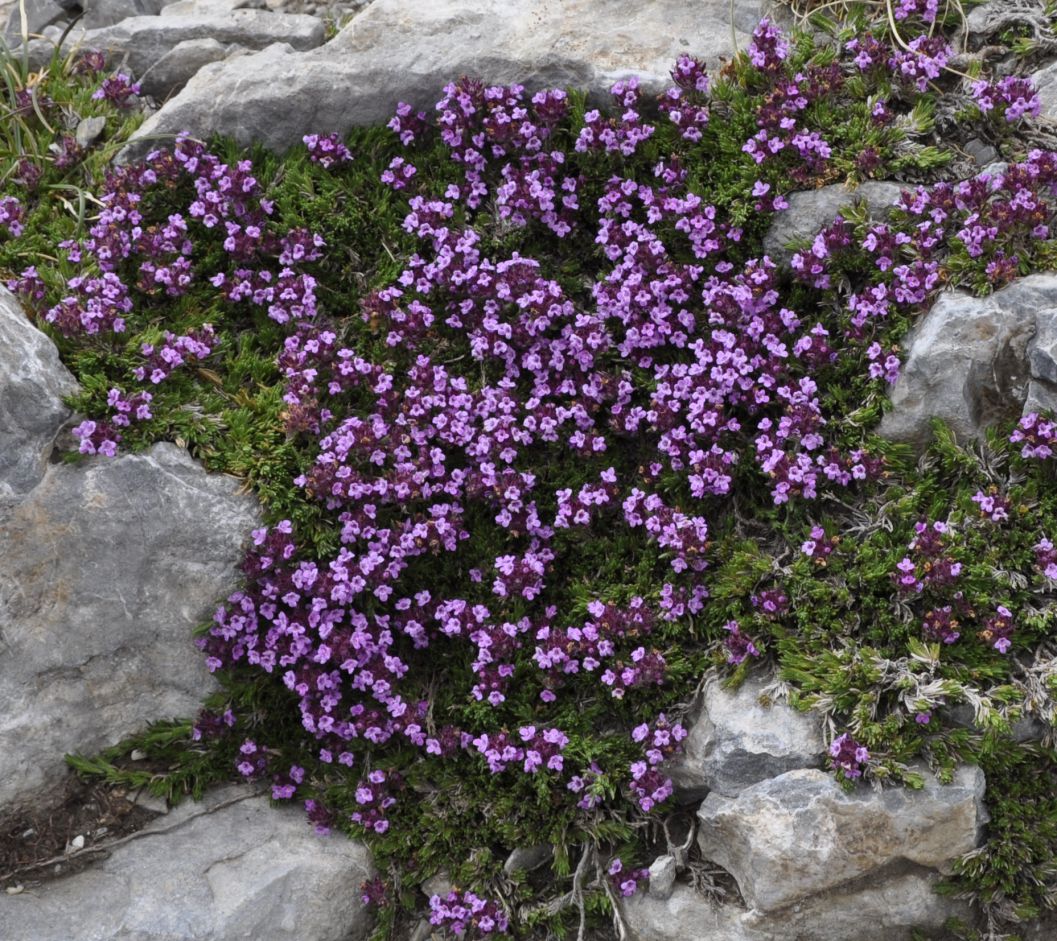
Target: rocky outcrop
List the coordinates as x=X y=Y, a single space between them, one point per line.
x=1046 y=85
x=98 y=13
x=106 y=567
x=800 y=834
x=738 y=740
x=232 y=867
x=398 y=51
x=140 y=42
x=887 y=909
x=33 y=384
x=39 y=14
x=180 y=64
x=811 y=210
x=974 y=361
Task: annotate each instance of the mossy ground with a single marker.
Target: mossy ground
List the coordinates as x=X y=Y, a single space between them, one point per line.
x=848 y=647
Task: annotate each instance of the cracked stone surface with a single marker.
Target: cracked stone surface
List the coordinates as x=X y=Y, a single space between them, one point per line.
x=139 y=42
x=106 y=567
x=973 y=361
x=737 y=741
x=231 y=868
x=800 y=834
x=882 y=909
x=32 y=385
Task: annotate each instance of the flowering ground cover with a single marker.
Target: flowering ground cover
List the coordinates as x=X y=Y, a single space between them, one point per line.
x=541 y=436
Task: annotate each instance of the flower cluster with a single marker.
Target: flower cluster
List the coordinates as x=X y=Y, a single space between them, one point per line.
x=659 y=740
x=328 y=150
x=1046 y=558
x=819 y=546
x=998 y=629
x=533 y=748
x=101 y=436
x=253 y=759
x=119 y=89
x=739 y=647
x=121 y=250
x=468 y=915
x=685 y=103
x=491 y=417
x=848 y=756
x=1037 y=437
x=993 y=505
x=12 y=215
x=210 y=725
x=1011 y=97
x=562 y=653
x=285 y=785
x=626 y=881
x=174 y=352
x=623 y=135
x=374 y=797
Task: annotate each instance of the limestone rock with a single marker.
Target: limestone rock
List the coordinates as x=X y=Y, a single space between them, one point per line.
x=528 y=858
x=737 y=741
x=176 y=68
x=105 y=569
x=32 y=385
x=663 y=871
x=232 y=867
x=811 y=210
x=397 y=51
x=98 y=13
x=887 y=909
x=437 y=884
x=39 y=14
x=973 y=361
x=205 y=7
x=800 y=834
x=141 y=41
x=89 y=130
x=1046 y=85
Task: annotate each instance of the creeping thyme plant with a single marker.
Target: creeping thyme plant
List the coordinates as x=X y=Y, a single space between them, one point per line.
x=542 y=437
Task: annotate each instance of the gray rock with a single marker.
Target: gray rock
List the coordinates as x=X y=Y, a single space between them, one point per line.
x=141 y=41
x=98 y=13
x=968 y=360
x=395 y=51
x=811 y=210
x=800 y=834
x=663 y=871
x=210 y=7
x=105 y=569
x=32 y=385
x=89 y=130
x=528 y=858
x=39 y=14
x=439 y=884
x=887 y=909
x=1046 y=85
x=180 y=64
x=737 y=741
x=983 y=153
x=231 y=867
x=1042 y=351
